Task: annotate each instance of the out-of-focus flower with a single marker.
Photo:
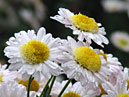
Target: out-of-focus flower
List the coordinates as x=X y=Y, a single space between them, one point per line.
x=76 y=90
x=127 y=5
x=11 y=19
x=13 y=15
x=33 y=54
x=117 y=90
x=6 y=75
x=84 y=63
x=114 y=5
x=120 y=40
x=13 y=89
x=33 y=17
x=83 y=26
x=29 y=17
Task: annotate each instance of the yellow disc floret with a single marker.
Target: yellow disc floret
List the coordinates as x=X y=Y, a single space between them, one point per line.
x=123 y=95
x=123 y=42
x=71 y=94
x=84 y=23
x=34 y=52
x=87 y=58
x=34 y=84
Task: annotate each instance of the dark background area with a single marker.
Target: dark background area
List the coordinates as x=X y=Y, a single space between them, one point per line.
x=92 y=8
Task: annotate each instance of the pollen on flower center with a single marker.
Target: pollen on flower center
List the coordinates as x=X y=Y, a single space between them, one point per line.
x=84 y=23
x=87 y=58
x=34 y=84
x=34 y=52
x=71 y=94
x=123 y=95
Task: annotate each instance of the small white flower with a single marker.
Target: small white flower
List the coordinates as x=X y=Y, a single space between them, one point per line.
x=120 y=40
x=6 y=75
x=117 y=90
x=83 y=26
x=84 y=63
x=114 y=5
x=12 y=89
x=76 y=90
x=33 y=55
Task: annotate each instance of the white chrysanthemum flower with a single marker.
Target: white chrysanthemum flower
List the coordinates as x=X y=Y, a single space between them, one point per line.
x=33 y=55
x=76 y=90
x=12 y=89
x=83 y=63
x=117 y=90
x=120 y=40
x=114 y=5
x=83 y=26
x=6 y=75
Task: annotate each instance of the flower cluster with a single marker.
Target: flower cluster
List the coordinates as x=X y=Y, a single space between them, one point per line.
x=37 y=59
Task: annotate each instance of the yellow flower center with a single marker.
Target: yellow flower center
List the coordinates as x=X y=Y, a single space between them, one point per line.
x=84 y=23
x=34 y=84
x=71 y=94
x=123 y=42
x=123 y=95
x=34 y=52
x=104 y=55
x=1 y=75
x=87 y=58
x=102 y=90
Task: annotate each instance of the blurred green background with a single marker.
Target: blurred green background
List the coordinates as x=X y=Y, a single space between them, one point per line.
x=17 y=15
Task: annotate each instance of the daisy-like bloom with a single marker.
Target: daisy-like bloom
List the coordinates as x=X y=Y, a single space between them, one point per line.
x=6 y=75
x=114 y=5
x=120 y=40
x=83 y=26
x=12 y=89
x=76 y=90
x=117 y=90
x=33 y=54
x=83 y=63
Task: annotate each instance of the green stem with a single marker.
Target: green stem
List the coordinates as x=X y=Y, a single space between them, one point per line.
x=49 y=90
x=46 y=86
x=75 y=37
x=29 y=85
x=66 y=85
